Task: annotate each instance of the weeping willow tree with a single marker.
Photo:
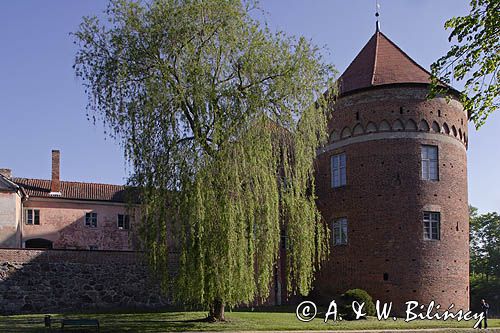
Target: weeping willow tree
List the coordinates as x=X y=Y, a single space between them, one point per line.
x=219 y=119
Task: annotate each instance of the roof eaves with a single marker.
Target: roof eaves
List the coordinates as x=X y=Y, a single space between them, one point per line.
x=398 y=84
x=15 y=186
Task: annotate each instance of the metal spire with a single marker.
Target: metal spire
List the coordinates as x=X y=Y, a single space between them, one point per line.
x=377 y=8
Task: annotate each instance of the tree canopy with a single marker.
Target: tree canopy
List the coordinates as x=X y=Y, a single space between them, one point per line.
x=220 y=119
x=484 y=244
x=475 y=58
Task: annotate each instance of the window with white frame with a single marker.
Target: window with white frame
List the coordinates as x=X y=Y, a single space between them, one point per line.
x=340 y=232
x=338 y=166
x=91 y=220
x=32 y=216
x=123 y=222
x=430 y=162
x=432 y=227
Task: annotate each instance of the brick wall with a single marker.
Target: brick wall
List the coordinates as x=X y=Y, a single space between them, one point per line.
x=34 y=281
x=385 y=197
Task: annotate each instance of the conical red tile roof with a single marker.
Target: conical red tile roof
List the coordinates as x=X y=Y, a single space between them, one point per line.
x=381 y=62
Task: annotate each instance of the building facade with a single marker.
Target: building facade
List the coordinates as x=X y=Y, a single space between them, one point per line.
x=40 y=213
x=392 y=184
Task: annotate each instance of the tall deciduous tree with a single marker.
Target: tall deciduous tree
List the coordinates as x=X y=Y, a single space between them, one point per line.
x=220 y=120
x=485 y=244
x=475 y=58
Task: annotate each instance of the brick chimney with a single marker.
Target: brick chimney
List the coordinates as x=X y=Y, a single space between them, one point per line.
x=55 y=185
x=7 y=173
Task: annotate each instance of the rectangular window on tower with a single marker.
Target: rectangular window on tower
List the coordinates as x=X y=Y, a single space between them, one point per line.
x=338 y=166
x=432 y=221
x=430 y=162
x=340 y=232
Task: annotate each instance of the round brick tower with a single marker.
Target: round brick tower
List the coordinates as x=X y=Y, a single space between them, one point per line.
x=392 y=185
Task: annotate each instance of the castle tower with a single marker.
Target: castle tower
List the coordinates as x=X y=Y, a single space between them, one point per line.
x=392 y=185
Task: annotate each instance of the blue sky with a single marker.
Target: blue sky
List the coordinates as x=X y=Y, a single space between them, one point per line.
x=42 y=104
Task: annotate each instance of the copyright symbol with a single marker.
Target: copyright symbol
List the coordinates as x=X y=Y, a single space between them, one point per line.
x=306 y=311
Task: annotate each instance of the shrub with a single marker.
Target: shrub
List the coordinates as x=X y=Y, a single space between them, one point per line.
x=360 y=296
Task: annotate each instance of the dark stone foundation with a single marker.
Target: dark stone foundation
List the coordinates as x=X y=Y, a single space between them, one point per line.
x=34 y=281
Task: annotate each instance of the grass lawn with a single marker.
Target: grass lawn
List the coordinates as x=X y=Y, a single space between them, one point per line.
x=237 y=321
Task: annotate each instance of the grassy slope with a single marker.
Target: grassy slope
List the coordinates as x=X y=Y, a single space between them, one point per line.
x=237 y=321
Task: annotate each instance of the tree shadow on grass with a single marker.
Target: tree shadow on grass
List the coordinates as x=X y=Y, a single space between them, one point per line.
x=170 y=322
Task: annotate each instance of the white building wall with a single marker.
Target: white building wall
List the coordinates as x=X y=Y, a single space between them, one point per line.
x=10 y=219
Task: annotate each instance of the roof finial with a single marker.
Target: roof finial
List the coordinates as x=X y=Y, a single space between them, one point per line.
x=377 y=7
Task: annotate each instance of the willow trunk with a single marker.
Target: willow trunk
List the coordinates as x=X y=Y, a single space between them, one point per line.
x=217 y=311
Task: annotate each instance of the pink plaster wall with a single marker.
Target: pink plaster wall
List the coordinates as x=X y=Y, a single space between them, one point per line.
x=63 y=223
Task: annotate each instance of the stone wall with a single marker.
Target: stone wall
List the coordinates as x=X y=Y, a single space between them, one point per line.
x=33 y=281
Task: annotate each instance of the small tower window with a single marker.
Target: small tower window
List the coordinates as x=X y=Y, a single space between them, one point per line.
x=338 y=166
x=340 y=231
x=432 y=225
x=357 y=115
x=430 y=162
x=386 y=276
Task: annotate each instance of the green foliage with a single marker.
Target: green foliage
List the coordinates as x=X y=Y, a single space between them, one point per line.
x=356 y=295
x=484 y=245
x=475 y=58
x=488 y=290
x=214 y=115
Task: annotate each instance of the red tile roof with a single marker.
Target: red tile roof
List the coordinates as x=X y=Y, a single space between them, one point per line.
x=381 y=62
x=73 y=190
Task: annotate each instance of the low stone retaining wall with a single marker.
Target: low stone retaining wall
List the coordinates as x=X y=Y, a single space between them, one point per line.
x=33 y=281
